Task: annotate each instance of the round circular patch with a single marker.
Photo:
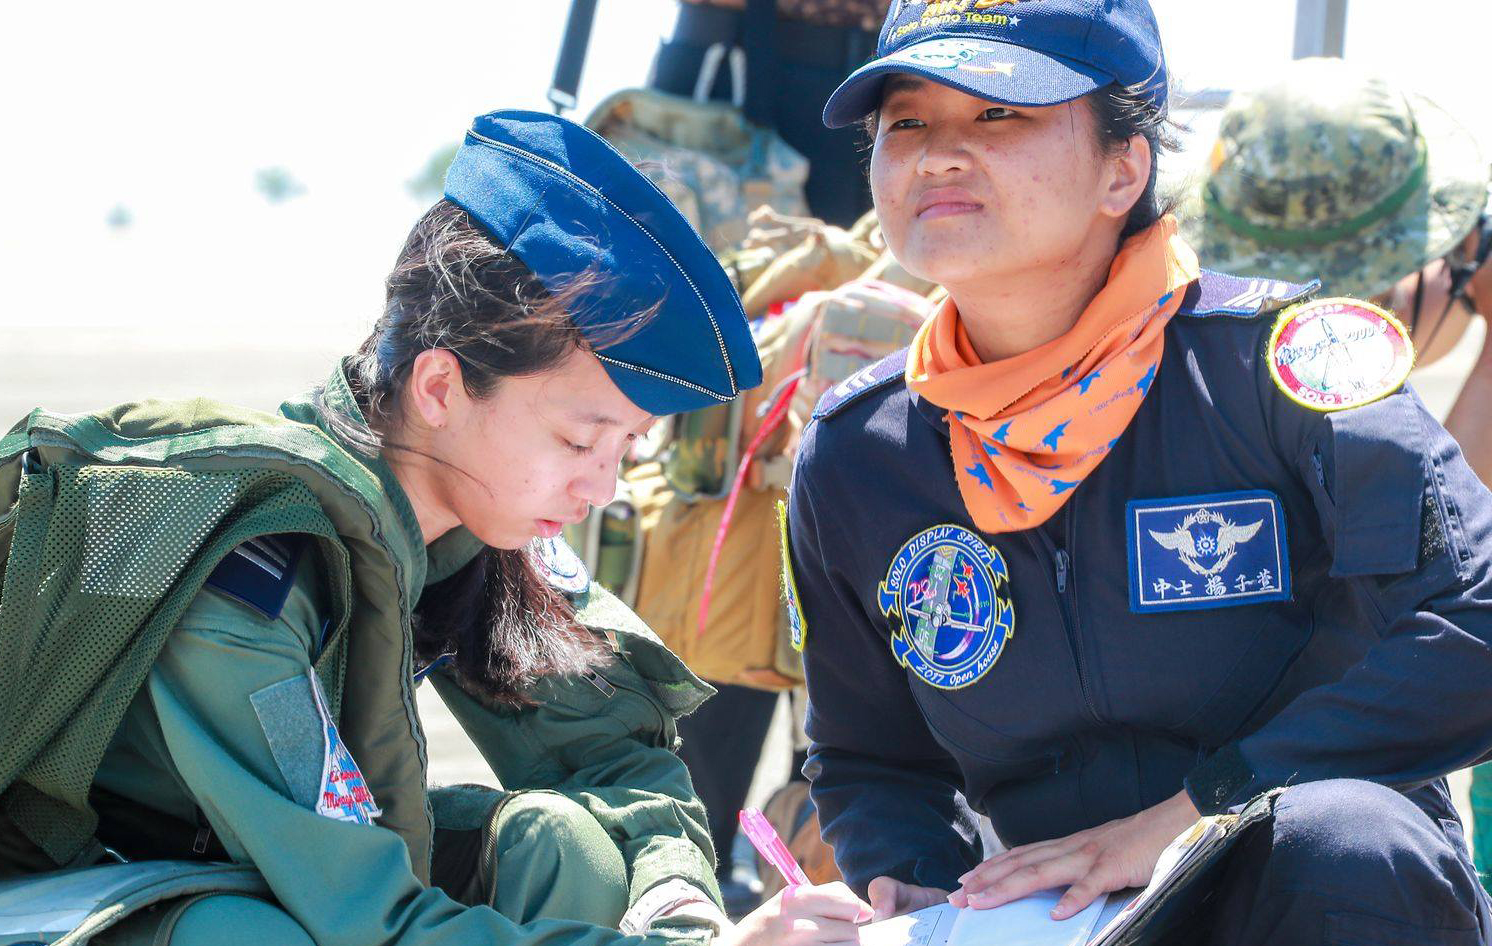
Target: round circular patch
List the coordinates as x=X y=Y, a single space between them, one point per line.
x=948 y=595
x=558 y=564
x=1332 y=354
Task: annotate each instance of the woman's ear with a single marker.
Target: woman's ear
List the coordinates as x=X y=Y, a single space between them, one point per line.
x=434 y=384
x=1128 y=176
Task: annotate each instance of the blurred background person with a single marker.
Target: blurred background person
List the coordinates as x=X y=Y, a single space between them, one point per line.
x=1333 y=170
x=742 y=50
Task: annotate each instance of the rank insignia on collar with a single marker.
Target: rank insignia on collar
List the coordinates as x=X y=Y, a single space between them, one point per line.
x=1215 y=551
x=947 y=597
x=1332 y=354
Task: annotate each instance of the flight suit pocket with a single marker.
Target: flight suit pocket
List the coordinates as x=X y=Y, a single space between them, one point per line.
x=1253 y=678
x=964 y=735
x=613 y=697
x=1376 y=531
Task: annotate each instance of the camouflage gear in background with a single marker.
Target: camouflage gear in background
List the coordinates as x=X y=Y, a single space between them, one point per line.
x=705 y=157
x=1332 y=172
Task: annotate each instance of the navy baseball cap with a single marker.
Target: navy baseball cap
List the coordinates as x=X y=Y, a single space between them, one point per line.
x=1014 y=52
x=565 y=202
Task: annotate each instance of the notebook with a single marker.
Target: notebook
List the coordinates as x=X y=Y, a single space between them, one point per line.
x=1125 y=918
x=1025 y=922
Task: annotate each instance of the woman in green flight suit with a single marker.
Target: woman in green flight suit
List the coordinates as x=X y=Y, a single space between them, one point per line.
x=232 y=609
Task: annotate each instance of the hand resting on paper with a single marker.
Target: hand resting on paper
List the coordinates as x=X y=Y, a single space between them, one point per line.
x=890 y=897
x=822 y=915
x=1090 y=863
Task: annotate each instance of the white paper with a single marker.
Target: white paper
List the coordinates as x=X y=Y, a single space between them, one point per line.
x=926 y=927
x=1025 y=922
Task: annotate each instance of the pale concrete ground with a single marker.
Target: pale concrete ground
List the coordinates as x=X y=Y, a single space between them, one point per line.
x=81 y=368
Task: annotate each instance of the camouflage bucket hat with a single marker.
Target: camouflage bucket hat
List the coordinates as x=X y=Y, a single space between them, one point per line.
x=1333 y=173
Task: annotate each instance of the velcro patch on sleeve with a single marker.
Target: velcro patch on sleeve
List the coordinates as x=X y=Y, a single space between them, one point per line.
x=317 y=766
x=287 y=714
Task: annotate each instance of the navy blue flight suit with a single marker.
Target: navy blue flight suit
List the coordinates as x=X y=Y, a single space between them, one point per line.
x=1347 y=636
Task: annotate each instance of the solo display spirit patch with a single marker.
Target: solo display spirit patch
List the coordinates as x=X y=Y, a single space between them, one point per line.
x=1332 y=354
x=1212 y=551
x=947 y=596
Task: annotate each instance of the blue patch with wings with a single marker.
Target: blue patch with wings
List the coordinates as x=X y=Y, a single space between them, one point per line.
x=1214 y=551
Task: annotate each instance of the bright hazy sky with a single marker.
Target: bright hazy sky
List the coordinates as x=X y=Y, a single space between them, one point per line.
x=171 y=108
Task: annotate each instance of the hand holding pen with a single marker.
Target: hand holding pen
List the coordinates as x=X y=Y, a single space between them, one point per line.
x=801 y=914
x=764 y=838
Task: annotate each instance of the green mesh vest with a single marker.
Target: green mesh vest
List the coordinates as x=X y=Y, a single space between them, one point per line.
x=110 y=523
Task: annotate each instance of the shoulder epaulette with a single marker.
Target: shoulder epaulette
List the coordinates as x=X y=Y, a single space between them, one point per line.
x=1239 y=297
x=259 y=572
x=886 y=371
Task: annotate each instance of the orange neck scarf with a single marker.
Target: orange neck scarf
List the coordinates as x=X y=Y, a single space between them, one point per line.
x=1027 y=429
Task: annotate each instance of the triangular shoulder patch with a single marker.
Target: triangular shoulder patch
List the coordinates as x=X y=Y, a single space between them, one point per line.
x=1241 y=297
x=886 y=371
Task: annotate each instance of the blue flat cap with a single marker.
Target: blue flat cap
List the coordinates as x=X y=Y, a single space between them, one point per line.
x=565 y=202
x=1014 y=52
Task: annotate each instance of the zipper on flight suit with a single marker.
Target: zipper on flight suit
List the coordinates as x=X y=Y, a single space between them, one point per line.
x=1062 y=573
x=609 y=687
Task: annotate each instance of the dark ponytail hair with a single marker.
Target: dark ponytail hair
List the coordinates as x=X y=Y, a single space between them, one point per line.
x=455 y=288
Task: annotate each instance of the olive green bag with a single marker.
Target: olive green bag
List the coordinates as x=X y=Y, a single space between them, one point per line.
x=100 y=561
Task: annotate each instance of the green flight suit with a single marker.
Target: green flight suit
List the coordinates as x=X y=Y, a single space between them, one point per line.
x=595 y=812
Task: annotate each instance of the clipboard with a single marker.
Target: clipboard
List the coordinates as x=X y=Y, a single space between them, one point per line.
x=1160 y=914
x=1164 y=913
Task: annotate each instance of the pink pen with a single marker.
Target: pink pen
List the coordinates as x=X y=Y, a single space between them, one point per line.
x=762 y=836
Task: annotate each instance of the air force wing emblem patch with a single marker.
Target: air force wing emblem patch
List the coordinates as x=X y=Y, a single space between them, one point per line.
x=1207 y=551
x=947 y=597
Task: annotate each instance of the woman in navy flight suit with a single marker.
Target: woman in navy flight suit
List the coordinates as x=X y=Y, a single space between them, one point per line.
x=1143 y=541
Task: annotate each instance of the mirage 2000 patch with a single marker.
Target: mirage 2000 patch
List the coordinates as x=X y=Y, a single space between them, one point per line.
x=1332 y=354
x=1207 y=551
x=344 y=795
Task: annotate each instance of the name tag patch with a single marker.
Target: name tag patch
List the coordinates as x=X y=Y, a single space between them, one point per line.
x=1213 y=551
